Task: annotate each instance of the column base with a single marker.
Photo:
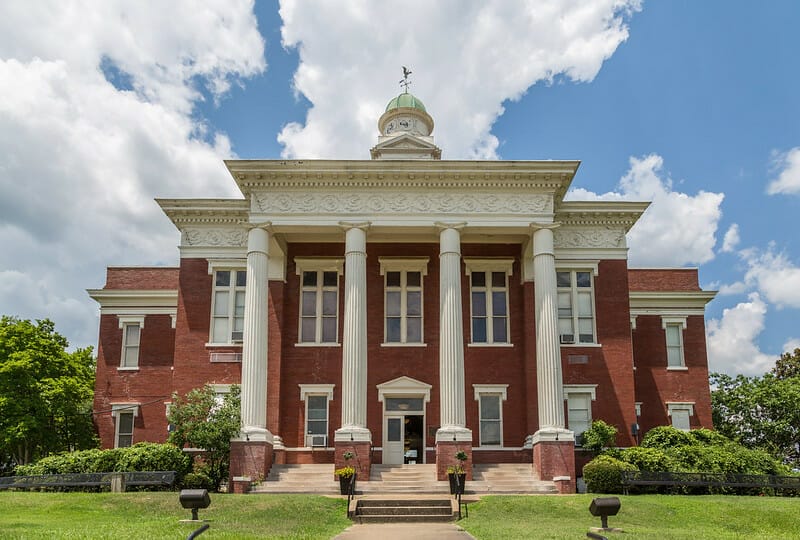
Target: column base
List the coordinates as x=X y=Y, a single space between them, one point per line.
x=554 y=458
x=361 y=460
x=250 y=461
x=446 y=457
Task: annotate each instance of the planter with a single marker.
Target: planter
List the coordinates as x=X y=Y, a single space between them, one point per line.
x=457 y=487
x=344 y=484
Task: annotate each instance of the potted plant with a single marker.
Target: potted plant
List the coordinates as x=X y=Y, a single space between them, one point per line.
x=346 y=475
x=456 y=474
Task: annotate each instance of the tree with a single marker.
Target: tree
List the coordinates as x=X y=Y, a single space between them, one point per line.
x=45 y=392
x=759 y=412
x=199 y=420
x=788 y=365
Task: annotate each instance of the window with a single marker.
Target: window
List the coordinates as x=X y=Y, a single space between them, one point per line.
x=489 y=299
x=131 y=336
x=403 y=299
x=319 y=300
x=673 y=329
x=575 y=306
x=124 y=414
x=316 y=398
x=680 y=413
x=579 y=399
x=227 y=324
x=490 y=399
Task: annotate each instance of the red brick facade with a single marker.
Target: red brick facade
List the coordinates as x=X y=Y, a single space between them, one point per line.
x=628 y=365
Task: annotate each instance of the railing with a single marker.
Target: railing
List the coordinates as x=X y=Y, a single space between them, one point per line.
x=708 y=480
x=351 y=491
x=87 y=480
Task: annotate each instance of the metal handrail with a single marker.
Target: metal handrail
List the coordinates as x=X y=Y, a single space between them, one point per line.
x=351 y=491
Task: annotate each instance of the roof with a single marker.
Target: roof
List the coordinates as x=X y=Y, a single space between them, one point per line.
x=405 y=100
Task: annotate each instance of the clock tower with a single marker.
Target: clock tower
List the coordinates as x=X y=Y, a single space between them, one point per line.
x=405 y=131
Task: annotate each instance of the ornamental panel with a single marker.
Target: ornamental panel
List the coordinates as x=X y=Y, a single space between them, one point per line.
x=589 y=237
x=401 y=203
x=214 y=237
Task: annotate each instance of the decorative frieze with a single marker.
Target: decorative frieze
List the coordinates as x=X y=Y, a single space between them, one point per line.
x=214 y=237
x=401 y=203
x=590 y=237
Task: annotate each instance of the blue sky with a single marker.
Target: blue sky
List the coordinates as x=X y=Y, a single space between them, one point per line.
x=690 y=104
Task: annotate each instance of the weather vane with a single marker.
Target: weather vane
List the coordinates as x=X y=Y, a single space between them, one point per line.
x=405 y=82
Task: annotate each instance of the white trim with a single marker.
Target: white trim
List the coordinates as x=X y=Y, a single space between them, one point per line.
x=498 y=345
x=488 y=264
x=130 y=319
x=135 y=301
x=633 y=322
x=667 y=320
x=318 y=389
x=399 y=264
x=638 y=408
x=679 y=324
x=226 y=264
x=220 y=388
x=574 y=293
x=393 y=344
x=580 y=389
x=126 y=324
x=318 y=266
x=404 y=265
x=490 y=390
x=128 y=406
x=309 y=264
x=500 y=389
x=232 y=288
x=404 y=386
x=680 y=406
x=579 y=265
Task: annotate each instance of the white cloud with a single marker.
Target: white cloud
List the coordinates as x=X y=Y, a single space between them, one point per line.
x=791 y=345
x=677 y=229
x=81 y=160
x=788 y=166
x=775 y=276
x=731 y=239
x=731 y=339
x=467 y=59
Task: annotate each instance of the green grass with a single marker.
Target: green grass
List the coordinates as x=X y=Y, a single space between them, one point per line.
x=640 y=516
x=154 y=516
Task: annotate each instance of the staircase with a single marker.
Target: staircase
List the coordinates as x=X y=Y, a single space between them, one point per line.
x=306 y=478
x=507 y=478
x=404 y=510
x=403 y=479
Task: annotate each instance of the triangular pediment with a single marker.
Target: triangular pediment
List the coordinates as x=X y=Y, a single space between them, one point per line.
x=404 y=386
x=405 y=146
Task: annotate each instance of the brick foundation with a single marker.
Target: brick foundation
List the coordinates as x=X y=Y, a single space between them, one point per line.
x=249 y=459
x=446 y=457
x=555 y=461
x=360 y=462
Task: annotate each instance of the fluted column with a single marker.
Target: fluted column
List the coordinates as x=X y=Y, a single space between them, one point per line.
x=451 y=337
x=354 y=339
x=548 y=352
x=254 y=350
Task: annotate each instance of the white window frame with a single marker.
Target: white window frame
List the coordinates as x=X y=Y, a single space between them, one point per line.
x=583 y=390
x=126 y=323
x=573 y=269
x=404 y=266
x=233 y=266
x=678 y=324
x=319 y=266
x=499 y=391
x=681 y=407
x=487 y=266
x=308 y=390
x=117 y=411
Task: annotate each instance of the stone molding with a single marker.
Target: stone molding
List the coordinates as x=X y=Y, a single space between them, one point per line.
x=590 y=237
x=214 y=237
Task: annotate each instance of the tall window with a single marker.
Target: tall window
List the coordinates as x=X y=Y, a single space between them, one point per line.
x=123 y=414
x=320 y=306
x=489 y=297
x=316 y=398
x=130 y=344
x=579 y=407
x=227 y=323
x=403 y=300
x=575 y=306
x=490 y=399
x=674 y=334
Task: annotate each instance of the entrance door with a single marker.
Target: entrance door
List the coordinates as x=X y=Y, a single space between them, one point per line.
x=403 y=430
x=393 y=440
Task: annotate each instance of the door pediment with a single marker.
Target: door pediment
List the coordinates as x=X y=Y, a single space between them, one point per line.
x=404 y=386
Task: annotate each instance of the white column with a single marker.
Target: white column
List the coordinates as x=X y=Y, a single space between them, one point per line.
x=548 y=352
x=254 y=350
x=451 y=338
x=354 y=338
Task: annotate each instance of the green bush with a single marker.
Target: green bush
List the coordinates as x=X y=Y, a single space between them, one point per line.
x=666 y=437
x=198 y=480
x=709 y=436
x=599 y=436
x=649 y=459
x=604 y=474
x=146 y=456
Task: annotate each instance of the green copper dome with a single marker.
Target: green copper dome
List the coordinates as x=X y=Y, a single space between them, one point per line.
x=405 y=100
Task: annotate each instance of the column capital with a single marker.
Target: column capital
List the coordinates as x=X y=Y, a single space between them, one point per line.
x=535 y=226
x=347 y=225
x=442 y=225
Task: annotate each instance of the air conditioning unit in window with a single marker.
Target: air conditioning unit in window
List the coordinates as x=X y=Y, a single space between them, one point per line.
x=317 y=440
x=567 y=338
x=236 y=337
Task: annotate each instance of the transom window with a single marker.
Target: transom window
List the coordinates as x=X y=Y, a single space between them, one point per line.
x=575 y=306
x=403 y=299
x=227 y=323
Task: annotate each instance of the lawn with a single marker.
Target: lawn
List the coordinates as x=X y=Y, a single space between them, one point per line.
x=155 y=516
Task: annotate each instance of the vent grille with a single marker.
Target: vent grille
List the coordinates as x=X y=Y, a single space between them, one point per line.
x=225 y=357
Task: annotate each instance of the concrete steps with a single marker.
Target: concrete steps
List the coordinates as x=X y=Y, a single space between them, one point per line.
x=403 y=479
x=306 y=478
x=507 y=478
x=404 y=510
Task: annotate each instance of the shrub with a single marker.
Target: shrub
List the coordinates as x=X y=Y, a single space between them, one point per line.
x=709 y=436
x=666 y=437
x=598 y=436
x=146 y=456
x=649 y=459
x=198 y=480
x=604 y=474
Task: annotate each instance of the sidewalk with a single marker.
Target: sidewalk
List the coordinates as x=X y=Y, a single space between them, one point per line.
x=404 y=531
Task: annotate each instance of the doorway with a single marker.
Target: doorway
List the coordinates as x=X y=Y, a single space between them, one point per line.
x=403 y=431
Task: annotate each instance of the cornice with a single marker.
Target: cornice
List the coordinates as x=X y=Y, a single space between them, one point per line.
x=122 y=298
x=262 y=175
x=652 y=302
x=208 y=212
x=600 y=213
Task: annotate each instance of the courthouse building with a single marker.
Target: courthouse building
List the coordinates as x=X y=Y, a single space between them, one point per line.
x=403 y=308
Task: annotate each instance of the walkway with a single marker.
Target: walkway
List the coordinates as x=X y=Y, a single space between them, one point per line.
x=404 y=531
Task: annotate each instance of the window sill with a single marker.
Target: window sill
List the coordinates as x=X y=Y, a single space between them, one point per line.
x=404 y=344
x=213 y=345
x=580 y=345
x=136 y=368
x=677 y=368
x=501 y=345
x=315 y=344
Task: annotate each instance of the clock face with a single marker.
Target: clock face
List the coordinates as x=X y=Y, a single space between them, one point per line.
x=390 y=127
